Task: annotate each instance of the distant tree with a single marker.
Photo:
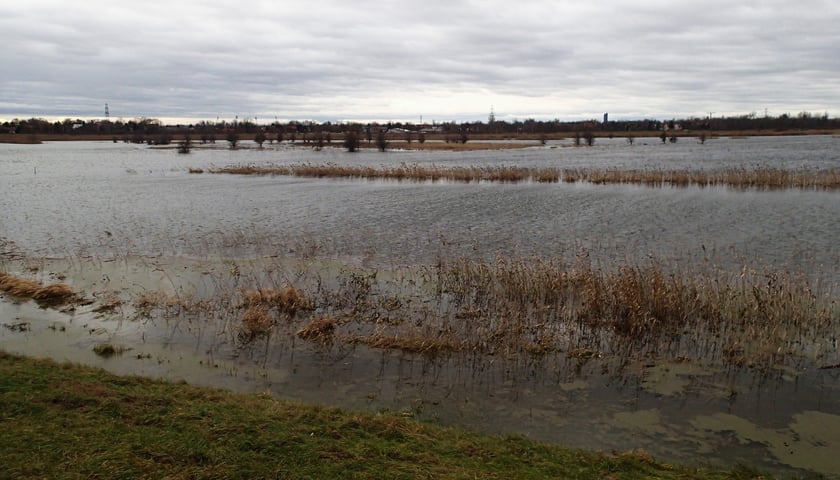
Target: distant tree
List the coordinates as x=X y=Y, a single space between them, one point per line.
x=319 y=140
x=260 y=138
x=702 y=138
x=408 y=137
x=279 y=136
x=463 y=138
x=164 y=138
x=329 y=138
x=631 y=138
x=421 y=137
x=233 y=139
x=577 y=137
x=351 y=141
x=543 y=139
x=186 y=145
x=589 y=137
x=663 y=136
x=381 y=141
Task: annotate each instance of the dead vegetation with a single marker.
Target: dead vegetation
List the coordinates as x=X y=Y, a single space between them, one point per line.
x=510 y=306
x=51 y=295
x=320 y=329
x=759 y=178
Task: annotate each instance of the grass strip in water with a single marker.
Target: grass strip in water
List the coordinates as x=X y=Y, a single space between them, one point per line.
x=66 y=421
x=765 y=178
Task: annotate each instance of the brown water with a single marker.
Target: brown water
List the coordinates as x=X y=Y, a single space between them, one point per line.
x=122 y=219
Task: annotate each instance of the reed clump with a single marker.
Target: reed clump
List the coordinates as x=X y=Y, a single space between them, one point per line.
x=51 y=295
x=171 y=305
x=108 y=349
x=255 y=322
x=319 y=329
x=760 y=178
x=411 y=343
x=510 y=306
x=286 y=300
x=549 y=305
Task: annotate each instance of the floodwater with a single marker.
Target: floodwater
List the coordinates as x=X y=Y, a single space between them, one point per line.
x=126 y=218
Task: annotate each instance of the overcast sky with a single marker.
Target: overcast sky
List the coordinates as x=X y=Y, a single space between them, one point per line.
x=442 y=60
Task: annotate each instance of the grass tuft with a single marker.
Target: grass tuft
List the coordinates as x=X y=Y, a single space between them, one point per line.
x=51 y=295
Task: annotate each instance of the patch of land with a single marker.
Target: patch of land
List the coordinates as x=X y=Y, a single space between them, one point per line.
x=65 y=421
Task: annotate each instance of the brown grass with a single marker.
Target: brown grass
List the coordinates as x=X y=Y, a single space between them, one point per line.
x=547 y=305
x=542 y=306
x=319 y=329
x=53 y=295
x=256 y=321
x=288 y=299
x=761 y=178
x=413 y=343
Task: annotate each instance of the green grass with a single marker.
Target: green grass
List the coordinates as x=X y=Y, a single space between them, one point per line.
x=71 y=422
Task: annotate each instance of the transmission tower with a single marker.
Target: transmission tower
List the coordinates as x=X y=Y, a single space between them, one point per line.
x=107 y=113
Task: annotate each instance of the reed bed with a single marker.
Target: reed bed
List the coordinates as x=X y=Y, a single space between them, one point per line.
x=760 y=178
x=511 y=306
x=746 y=318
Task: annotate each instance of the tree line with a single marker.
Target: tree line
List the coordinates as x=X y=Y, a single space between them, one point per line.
x=141 y=129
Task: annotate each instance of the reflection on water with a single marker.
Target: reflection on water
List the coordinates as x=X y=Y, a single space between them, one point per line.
x=100 y=205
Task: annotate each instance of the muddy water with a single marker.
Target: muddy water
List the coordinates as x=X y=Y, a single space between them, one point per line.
x=124 y=219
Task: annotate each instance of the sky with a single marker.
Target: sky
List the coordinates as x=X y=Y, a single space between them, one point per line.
x=429 y=60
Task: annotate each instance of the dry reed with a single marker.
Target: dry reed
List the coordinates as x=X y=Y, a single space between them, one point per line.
x=319 y=329
x=53 y=295
x=536 y=306
x=255 y=322
x=287 y=300
x=760 y=178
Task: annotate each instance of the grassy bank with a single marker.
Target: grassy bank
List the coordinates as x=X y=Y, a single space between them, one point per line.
x=62 y=421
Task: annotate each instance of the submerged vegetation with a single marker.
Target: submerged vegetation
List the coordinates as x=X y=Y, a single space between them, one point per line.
x=52 y=295
x=761 y=178
x=140 y=428
x=530 y=306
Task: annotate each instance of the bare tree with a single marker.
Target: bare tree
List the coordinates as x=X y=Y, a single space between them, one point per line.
x=381 y=141
x=260 y=138
x=589 y=137
x=186 y=145
x=233 y=139
x=351 y=141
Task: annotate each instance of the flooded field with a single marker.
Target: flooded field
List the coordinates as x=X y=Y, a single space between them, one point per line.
x=419 y=297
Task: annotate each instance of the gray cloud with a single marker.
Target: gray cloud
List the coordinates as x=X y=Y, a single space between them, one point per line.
x=395 y=60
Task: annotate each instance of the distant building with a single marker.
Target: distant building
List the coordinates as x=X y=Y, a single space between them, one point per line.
x=606 y=117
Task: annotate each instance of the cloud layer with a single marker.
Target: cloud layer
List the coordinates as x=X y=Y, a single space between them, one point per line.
x=444 y=60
